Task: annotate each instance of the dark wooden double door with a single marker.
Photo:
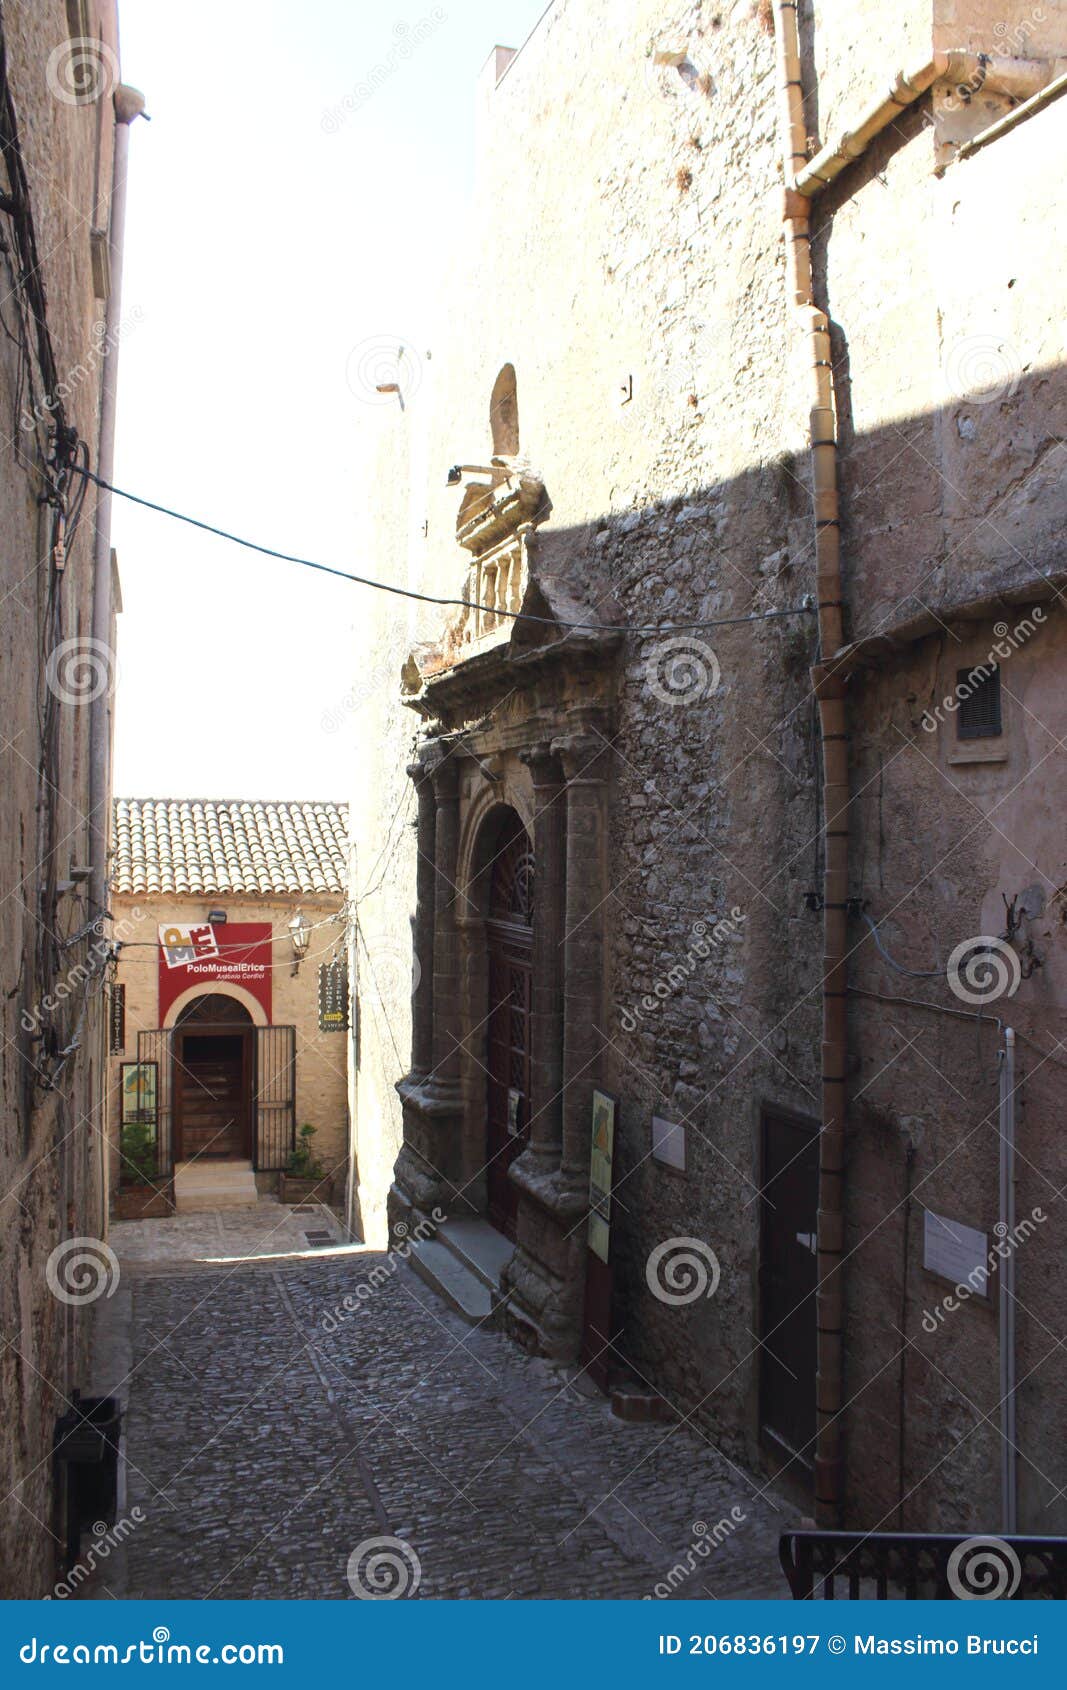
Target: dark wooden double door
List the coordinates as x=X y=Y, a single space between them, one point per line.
x=788 y=1279
x=509 y=933
x=213 y=1062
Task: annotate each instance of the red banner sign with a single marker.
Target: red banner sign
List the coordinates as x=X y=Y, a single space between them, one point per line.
x=240 y=956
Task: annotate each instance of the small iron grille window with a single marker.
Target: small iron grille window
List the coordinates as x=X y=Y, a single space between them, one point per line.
x=978 y=690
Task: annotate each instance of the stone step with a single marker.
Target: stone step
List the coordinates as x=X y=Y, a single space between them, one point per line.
x=444 y=1273
x=478 y=1247
x=200 y=1187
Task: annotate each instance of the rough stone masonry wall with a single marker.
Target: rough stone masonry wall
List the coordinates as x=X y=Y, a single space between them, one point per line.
x=320 y=1075
x=955 y=493
x=50 y=1142
x=626 y=237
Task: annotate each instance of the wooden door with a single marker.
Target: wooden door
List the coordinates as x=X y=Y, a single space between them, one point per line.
x=788 y=1277
x=212 y=1094
x=510 y=943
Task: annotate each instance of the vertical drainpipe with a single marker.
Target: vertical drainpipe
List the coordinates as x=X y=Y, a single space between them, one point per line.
x=128 y=104
x=830 y=691
x=1006 y=1287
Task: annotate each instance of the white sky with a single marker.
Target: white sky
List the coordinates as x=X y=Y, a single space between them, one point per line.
x=269 y=231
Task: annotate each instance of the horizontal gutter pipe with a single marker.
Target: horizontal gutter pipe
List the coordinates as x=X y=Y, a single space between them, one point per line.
x=1013 y=78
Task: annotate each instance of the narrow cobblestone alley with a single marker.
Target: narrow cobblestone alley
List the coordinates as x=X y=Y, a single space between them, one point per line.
x=272 y=1431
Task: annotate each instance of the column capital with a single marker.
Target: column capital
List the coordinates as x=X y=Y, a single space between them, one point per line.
x=443 y=770
x=583 y=756
x=543 y=764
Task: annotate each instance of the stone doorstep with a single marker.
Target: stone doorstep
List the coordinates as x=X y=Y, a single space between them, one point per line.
x=455 y=1284
x=479 y=1247
x=200 y=1187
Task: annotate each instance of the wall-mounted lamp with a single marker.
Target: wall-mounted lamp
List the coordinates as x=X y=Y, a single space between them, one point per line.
x=216 y=918
x=300 y=934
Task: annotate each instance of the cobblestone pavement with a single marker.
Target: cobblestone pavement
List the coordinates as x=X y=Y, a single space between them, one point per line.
x=272 y=1432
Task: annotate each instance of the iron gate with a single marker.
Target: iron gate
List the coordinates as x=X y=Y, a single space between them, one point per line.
x=273 y=1099
x=154 y=1047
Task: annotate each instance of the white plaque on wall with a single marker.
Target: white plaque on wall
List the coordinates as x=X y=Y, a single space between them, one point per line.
x=956 y=1252
x=668 y=1143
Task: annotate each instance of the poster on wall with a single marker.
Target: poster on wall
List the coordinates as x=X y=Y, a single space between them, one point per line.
x=138 y=1089
x=602 y=1151
x=200 y=956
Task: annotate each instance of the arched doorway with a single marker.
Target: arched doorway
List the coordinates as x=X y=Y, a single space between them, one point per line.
x=213 y=1059
x=509 y=943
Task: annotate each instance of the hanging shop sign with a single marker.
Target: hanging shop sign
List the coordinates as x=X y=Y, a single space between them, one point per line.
x=333 y=996
x=234 y=953
x=117 y=1020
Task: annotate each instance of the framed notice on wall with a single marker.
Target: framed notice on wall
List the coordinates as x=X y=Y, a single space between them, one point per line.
x=138 y=1084
x=596 y=1351
x=601 y=1156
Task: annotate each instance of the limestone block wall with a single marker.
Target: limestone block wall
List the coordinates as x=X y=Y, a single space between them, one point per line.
x=51 y=1140
x=320 y=1076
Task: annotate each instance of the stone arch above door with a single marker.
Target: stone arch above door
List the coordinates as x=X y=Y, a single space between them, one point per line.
x=216 y=989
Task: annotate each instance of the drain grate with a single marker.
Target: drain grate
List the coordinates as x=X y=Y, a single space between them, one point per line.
x=319 y=1240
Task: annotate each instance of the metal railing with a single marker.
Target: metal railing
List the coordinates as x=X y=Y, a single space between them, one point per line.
x=913 y=1566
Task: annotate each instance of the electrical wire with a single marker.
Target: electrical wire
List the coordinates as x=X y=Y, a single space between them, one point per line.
x=912 y=973
x=430 y=598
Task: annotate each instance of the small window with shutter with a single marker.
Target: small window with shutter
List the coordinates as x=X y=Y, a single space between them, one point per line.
x=978 y=691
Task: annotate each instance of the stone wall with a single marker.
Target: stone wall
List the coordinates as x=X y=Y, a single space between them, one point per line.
x=51 y=1143
x=623 y=251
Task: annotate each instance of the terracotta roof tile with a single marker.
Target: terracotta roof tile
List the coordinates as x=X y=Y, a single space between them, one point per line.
x=191 y=845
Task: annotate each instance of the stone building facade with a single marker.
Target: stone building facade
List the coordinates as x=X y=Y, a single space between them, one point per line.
x=743 y=456
x=240 y=1060
x=64 y=114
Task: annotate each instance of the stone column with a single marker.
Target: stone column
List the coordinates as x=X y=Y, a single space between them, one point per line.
x=422 y=1018
x=584 y=759
x=546 y=1017
x=445 y=1076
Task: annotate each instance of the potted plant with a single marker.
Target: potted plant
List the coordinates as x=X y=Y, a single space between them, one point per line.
x=304 y=1174
x=142 y=1194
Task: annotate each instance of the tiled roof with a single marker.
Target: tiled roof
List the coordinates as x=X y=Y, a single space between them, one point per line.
x=192 y=845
